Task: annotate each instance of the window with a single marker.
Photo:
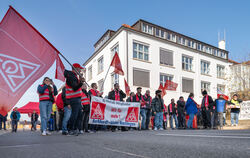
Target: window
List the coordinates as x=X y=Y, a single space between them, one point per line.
x=166 y=57
x=205 y=86
x=220 y=71
x=164 y=78
x=90 y=72
x=205 y=67
x=187 y=63
x=187 y=85
x=113 y=50
x=100 y=86
x=141 y=78
x=159 y=33
x=114 y=79
x=147 y=29
x=221 y=88
x=140 y=51
x=100 y=64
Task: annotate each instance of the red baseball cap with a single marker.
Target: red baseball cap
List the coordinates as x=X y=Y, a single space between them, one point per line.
x=76 y=65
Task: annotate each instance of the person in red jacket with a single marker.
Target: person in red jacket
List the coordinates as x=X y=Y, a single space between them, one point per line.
x=86 y=108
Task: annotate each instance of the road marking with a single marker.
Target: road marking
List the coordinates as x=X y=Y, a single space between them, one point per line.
x=204 y=136
x=18 y=146
x=127 y=153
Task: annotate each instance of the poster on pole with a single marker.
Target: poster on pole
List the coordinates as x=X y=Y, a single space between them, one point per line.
x=114 y=113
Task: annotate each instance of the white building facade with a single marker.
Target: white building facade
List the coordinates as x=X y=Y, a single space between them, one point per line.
x=151 y=54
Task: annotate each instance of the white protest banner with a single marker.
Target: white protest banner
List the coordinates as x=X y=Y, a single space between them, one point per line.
x=114 y=113
x=245 y=111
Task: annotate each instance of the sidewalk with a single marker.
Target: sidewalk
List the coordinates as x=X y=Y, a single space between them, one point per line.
x=243 y=125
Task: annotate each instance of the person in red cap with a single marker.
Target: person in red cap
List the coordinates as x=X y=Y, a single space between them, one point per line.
x=74 y=83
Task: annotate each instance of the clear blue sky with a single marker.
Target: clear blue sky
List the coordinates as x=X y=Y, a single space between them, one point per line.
x=73 y=26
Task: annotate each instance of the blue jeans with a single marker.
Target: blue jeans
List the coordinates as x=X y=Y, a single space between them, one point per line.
x=190 y=121
x=66 y=117
x=143 y=121
x=45 y=112
x=159 y=120
x=173 y=116
x=236 y=116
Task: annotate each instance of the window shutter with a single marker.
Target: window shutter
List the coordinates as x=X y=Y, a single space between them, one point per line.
x=141 y=78
x=187 y=85
x=166 y=57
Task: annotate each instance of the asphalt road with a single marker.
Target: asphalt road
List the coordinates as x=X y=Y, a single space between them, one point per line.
x=141 y=144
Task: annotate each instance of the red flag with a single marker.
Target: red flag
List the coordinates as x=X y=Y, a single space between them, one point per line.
x=59 y=69
x=127 y=88
x=25 y=55
x=163 y=90
x=116 y=63
x=219 y=93
x=170 y=85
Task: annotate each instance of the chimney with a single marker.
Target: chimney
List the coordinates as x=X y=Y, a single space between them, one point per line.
x=222 y=44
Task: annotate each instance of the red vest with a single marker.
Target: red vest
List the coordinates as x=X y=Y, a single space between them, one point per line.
x=143 y=103
x=45 y=95
x=85 y=100
x=70 y=93
x=94 y=92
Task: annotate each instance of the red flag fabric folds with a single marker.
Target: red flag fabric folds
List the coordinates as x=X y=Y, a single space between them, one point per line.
x=127 y=88
x=170 y=85
x=59 y=69
x=25 y=55
x=116 y=63
x=163 y=90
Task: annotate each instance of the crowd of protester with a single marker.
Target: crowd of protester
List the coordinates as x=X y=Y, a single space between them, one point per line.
x=72 y=106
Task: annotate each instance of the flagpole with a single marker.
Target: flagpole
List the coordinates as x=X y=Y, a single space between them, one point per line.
x=105 y=77
x=72 y=67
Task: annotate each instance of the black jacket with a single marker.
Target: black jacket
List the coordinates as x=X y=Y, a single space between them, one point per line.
x=148 y=100
x=180 y=106
x=112 y=95
x=65 y=101
x=140 y=98
x=34 y=116
x=129 y=99
x=157 y=105
x=174 y=109
x=210 y=101
x=72 y=80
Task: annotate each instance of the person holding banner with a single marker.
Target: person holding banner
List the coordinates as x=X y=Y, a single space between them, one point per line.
x=46 y=92
x=191 y=110
x=118 y=95
x=148 y=100
x=235 y=109
x=86 y=108
x=94 y=92
x=131 y=96
x=139 y=98
x=157 y=109
x=74 y=83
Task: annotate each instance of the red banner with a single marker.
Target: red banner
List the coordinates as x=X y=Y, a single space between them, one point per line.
x=25 y=55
